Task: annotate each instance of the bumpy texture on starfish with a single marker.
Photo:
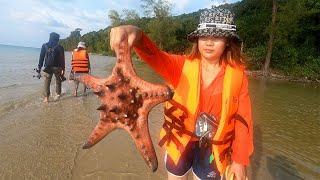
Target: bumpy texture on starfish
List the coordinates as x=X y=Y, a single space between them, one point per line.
x=126 y=101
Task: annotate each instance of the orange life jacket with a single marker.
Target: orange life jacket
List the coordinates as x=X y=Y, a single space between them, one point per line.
x=80 y=61
x=181 y=112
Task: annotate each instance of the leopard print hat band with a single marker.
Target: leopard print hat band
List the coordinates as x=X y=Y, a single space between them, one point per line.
x=215 y=22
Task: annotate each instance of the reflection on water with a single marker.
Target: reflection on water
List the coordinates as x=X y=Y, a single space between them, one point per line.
x=286 y=129
x=44 y=141
x=281 y=168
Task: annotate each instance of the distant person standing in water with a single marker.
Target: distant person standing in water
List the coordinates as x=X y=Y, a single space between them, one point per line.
x=80 y=65
x=52 y=58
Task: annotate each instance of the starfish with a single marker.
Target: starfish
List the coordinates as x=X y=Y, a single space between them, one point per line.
x=126 y=101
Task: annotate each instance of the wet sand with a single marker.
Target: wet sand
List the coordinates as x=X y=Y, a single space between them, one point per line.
x=44 y=142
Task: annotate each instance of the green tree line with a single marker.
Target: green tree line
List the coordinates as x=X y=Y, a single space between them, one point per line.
x=284 y=32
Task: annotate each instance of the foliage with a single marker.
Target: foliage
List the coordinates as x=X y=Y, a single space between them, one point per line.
x=72 y=40
x=256 y=56
x=297 y=32
x=156 y=8
x=114 y=17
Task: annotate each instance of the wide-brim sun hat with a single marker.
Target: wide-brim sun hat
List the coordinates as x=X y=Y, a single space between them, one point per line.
x=215 y=22
x=81 y=45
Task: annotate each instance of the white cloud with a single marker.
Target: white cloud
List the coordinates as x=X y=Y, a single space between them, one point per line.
x=30 y=21
x=58 y=19
x=31 y=26
x=180 y=5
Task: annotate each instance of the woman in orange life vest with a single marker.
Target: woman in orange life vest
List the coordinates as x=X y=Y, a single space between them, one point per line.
x=80 y=65
x=208 y=84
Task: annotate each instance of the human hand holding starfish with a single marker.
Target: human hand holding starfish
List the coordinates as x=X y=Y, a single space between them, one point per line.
x=121 y=33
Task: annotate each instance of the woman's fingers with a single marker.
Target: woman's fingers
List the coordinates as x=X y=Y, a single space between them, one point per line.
x=111 y=39
x=134 y=35
x=115 y=38
x=117 y=35
x=123 y=33
x=238 y=170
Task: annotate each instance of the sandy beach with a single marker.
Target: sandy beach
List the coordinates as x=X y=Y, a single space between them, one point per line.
x=45 y=142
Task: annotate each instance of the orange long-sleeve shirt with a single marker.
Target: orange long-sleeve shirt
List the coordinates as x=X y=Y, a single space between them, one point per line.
x=169 y=66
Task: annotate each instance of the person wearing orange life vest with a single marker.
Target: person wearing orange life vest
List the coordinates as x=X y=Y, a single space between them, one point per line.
x=210 y=88
x=80 y=65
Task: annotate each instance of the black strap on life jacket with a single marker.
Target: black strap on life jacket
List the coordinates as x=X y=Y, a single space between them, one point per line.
x=224 y=153
x=229 y=137
x=176 y=123
x=239 y=118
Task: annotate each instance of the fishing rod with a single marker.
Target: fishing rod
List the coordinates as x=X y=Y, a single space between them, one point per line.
x=38 y=71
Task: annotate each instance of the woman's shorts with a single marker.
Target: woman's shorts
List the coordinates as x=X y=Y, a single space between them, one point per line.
x=196 y=158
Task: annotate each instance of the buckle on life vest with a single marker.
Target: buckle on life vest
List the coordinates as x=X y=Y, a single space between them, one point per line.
x=206 y=128
x=239 y=118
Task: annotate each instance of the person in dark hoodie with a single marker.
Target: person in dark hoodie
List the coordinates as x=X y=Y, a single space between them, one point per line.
x=53 y=60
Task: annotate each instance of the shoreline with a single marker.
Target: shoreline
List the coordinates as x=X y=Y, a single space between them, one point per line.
x=280 y=77
x=256 y=74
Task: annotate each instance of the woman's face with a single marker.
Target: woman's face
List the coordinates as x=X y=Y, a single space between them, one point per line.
x=211 y=48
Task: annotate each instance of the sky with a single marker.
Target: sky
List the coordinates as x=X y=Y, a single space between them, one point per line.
x=28 y=23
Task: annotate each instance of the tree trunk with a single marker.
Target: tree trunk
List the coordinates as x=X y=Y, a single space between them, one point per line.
x=270 y=43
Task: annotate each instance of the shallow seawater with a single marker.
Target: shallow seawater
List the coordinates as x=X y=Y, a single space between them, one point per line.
x=42 y=141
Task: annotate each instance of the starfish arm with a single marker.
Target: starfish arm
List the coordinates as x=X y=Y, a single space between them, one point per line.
x=153 y=90
x=124 y=60
x=103 y=128
x=149 y=104
x=92 y=82
x=155 y=94
x=126 y=67
x=141 y=136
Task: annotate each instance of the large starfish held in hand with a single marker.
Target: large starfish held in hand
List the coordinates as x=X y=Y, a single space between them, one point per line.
x=126 y=101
